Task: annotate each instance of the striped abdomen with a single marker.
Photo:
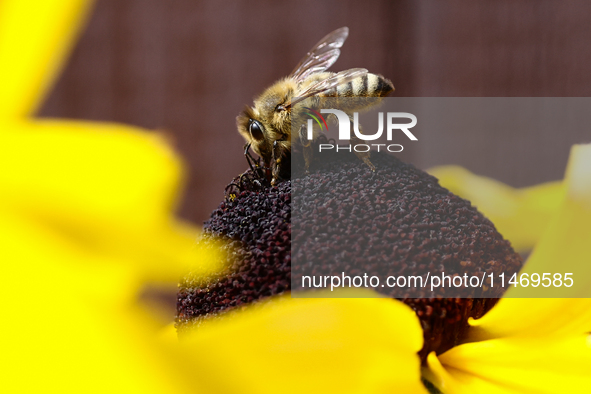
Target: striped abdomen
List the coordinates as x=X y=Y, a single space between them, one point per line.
x=370 y=85
x=359 y=93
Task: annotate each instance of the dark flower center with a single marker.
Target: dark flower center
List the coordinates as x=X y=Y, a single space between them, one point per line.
x=408 y=218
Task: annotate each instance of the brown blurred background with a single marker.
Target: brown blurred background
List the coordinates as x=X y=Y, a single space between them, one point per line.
x=189 y=66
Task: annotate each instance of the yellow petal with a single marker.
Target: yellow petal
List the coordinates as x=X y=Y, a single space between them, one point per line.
x=520 y=215
x=312 y=346
x=564 y=247
x=515 y=365
x=85 y=220
x=108 y=187
x=35 y=38
x=436 y=374
x=68 y=324
x=528 y=317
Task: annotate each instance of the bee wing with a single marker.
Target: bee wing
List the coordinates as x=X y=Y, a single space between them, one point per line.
x=322 y=55
x=329 y=83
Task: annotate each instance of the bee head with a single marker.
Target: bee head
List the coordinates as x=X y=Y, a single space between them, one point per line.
x=252 y=127
x=268 y=120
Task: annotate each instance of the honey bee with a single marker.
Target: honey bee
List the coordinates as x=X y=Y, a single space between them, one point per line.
x=267 y=126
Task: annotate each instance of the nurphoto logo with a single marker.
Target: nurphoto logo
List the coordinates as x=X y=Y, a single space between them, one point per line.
x=344 y=124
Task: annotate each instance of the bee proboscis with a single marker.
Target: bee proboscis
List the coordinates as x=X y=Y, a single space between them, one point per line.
x=267 y=125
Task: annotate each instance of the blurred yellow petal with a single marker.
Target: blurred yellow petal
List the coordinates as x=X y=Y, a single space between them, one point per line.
x=564 y=247
x=109 y=187
x=68 y=320
x=35 y=37
x=529 y=317
x=436 y=374
x=86 y=220
x=312 y=346
x=73 y=262
x=520 y=215
x=70 y=166
x=515 y=365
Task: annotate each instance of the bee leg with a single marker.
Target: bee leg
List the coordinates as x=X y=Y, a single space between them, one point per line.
x=249 y=157
x=254 y=164
x=277 y=161
x=307 y=148
x=231 y=193
x=364 y=156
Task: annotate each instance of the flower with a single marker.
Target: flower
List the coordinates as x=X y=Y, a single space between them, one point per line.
x=508 y=350
x=86 y=223
x=410 y=224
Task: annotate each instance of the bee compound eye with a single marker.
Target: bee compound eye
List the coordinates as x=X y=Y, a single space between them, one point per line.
x=255 y=128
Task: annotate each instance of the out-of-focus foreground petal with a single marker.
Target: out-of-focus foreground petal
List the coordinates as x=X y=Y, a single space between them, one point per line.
x=514 y=365
x=310 y=345
x=521 y=215
x=35 y=37
x=110 y=187
x=535 y=344
x=564 y=248
x=534 y=317
x=86 y=220
x=67 y=322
